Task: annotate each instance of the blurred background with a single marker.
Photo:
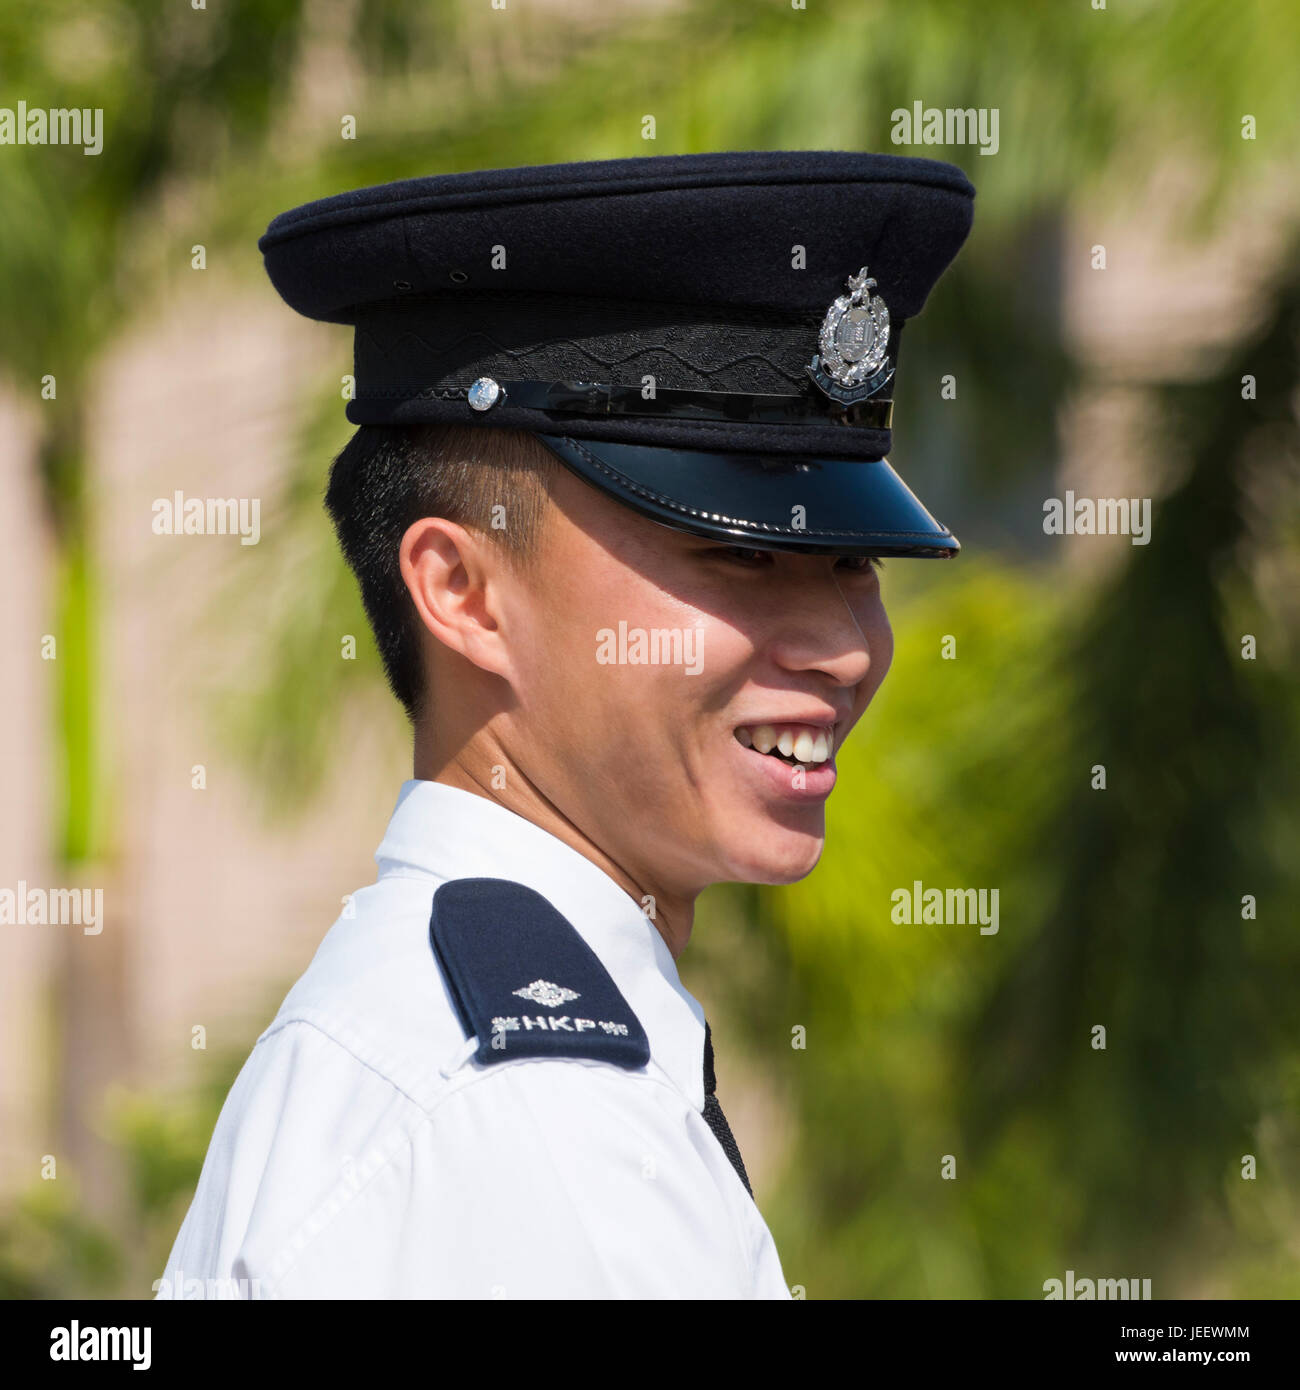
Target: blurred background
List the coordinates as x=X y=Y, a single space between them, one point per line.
x=178 y=729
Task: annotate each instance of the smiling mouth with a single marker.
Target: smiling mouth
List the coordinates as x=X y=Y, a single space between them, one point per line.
x=797 y=745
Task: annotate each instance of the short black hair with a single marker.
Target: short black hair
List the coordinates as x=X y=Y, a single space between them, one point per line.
x=494 y=481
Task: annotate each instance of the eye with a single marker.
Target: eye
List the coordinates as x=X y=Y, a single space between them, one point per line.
x=752 y=558
x=744 y=555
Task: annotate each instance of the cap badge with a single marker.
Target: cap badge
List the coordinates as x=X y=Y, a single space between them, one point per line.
x=853 y=363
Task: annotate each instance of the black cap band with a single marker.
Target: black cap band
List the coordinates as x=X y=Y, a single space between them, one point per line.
x=603 y=399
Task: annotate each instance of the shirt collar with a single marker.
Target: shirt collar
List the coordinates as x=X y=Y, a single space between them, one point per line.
x=448 y=833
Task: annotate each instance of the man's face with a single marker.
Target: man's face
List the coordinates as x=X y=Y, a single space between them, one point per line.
x=650 y=761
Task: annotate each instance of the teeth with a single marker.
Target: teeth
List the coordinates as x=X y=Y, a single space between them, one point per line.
x=804 y=745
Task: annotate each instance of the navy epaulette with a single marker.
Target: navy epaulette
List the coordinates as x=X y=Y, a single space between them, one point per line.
x=524 y=981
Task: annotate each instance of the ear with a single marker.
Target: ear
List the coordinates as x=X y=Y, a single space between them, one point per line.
x=452 y=577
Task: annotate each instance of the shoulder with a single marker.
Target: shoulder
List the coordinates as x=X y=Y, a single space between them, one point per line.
x=418 y=979
x=445 y=1041
x=535 y=1177
x=375 y=990
x=304 y=1128
x=523 y=980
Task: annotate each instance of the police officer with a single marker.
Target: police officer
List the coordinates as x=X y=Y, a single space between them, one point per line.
x=615 y=504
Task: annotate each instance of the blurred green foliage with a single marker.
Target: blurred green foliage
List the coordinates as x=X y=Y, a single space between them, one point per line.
x=51 y=1246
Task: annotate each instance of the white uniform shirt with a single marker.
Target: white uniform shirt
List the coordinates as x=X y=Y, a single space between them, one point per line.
x=365 y=1152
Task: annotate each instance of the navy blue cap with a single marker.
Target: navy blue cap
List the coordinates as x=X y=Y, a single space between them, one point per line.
x=711 y=339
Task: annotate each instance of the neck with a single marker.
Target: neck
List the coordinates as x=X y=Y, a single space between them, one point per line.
x=471 y=768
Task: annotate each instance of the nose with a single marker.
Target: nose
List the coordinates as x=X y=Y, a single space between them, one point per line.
x=819 y=630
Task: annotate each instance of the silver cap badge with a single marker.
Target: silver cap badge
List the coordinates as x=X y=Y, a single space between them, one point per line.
x=853 y=363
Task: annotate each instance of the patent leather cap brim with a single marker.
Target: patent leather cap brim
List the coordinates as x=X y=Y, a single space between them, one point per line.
x=764 y=501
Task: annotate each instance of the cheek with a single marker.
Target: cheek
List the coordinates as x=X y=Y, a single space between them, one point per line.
x=879 y=636
x=630 y=665
x=880 y=644
x=556 y=680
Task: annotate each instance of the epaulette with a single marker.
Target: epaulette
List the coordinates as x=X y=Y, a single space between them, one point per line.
x=524 y=981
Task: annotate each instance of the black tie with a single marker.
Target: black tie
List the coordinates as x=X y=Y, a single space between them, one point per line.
x=714 y=1117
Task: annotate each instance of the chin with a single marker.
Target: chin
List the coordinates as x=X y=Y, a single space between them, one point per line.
x=783 y=857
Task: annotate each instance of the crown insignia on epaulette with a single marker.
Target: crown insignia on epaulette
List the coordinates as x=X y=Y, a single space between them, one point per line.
x=544 y=992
